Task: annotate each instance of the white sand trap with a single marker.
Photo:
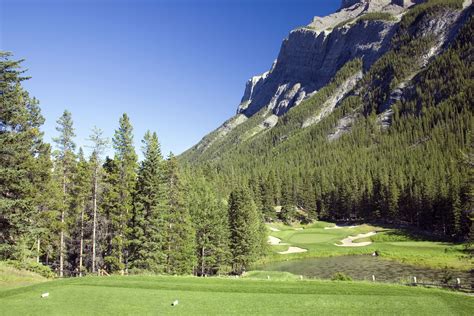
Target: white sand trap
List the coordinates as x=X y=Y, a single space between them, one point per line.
x=349 y=241
x=293 y=250
x=273 y=240
x=339 y=227
x=299 y=228
x=273 y=229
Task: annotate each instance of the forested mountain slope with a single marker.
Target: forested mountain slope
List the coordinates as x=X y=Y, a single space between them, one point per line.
x=379 y=134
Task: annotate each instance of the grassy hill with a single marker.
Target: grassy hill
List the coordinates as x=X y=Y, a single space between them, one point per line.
x=12 y=277
x=148 y=295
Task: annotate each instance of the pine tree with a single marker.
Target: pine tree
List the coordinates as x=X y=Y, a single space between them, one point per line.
x=245 y=230
x=20 y=142
x=47 y=194
x=111 y=207
x=81 y=192
x=148 y=228
x=288 y=208
x=65 y=168
x=209 y=216
x=126 y=159
x=267 y=200
x=98 y=147
x=179 y=233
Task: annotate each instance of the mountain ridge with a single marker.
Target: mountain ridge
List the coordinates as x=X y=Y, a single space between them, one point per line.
x=309 y=59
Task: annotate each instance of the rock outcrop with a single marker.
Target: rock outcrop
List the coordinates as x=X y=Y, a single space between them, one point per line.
x=332 y=101
x=311 y=55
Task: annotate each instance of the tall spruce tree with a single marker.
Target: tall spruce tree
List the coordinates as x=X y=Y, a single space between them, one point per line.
x=20 y=143
x=65 y=168
x=180 y=256
x=245 y=230
x=81 y=203
x=126 y=160
x=47 y=197
x=148 y=227
x=111 y=209
x=210 y=220
x=99 y=143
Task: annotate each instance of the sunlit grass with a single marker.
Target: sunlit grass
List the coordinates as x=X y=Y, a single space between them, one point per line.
x=152 y=295
x=389 y=244
x=11 y=277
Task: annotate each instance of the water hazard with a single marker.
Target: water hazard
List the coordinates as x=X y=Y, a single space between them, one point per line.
x=363 y=267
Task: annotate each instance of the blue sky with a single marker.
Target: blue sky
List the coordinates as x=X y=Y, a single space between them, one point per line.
x=176 y=67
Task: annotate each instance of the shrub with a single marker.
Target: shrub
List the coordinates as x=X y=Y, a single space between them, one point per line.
x=391 y=236
x=113 y=264
x=341 y=24
x=446 y=275
x=32 y=266
x=339 y=276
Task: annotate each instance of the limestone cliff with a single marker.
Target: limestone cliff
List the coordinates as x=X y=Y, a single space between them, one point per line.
x=311 y=55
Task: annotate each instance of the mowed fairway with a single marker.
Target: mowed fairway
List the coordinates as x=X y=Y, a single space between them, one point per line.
x=153 y=295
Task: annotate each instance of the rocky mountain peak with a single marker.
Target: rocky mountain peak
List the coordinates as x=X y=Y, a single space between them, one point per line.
x=376 y=3
x=312 y=54
x=350 y=3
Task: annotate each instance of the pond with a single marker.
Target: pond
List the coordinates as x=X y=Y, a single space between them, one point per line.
x=362 y=267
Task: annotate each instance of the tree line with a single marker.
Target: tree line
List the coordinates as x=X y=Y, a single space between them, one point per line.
x=79 y=214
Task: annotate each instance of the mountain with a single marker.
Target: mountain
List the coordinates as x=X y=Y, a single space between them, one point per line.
x=366 y=113
x=311 y=55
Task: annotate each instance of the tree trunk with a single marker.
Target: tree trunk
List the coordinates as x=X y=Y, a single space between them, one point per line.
x=202 y=260
x=81 y=251
x=169 y=252
x=61 y=248
x=38 y=250
x=94 y=225
x=61 y=244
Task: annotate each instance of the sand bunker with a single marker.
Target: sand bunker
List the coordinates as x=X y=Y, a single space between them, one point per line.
x=273 y=229
x=273 y=240
x=339 y=227
x=349 y=241
x=293 y=250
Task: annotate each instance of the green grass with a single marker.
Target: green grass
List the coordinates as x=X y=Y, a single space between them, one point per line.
x=362 y=240
x=377 y=16
x=389 y=243
x=140 y=295
x=306 y=237
x=12 y=277
x=271 y=275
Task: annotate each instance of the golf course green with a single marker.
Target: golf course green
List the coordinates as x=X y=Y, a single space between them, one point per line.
x=323 y=239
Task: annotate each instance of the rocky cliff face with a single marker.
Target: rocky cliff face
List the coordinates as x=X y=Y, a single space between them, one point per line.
x=311 y=55
x=310 y=58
